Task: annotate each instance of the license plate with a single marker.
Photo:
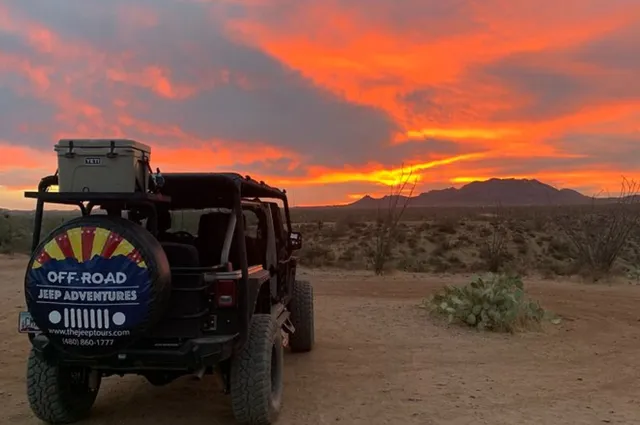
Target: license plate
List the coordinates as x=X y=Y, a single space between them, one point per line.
x=26 y=325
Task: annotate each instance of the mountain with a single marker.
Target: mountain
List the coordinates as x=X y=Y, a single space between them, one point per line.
x=507 y=192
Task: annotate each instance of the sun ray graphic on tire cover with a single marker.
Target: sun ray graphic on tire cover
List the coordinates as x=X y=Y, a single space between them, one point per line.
x=88 y=234
x=99 y=240
x=65 y=245
x=41 y=259
x=124 y=248
x=75 y=239
x=137 y=258
x=84 y=243
x=110 y=246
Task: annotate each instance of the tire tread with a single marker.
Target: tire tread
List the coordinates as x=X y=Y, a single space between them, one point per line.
x=48 y=396
x=301 y=307
x=250 y=374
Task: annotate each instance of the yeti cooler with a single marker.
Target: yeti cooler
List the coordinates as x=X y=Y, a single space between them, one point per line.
x=102 y=165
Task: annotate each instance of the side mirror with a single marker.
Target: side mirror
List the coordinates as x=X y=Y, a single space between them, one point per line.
x=295 y=240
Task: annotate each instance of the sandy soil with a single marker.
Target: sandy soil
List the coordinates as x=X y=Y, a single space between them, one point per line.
x=380 y=360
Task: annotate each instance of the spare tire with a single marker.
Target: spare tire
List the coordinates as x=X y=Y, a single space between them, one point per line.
x=96 y=284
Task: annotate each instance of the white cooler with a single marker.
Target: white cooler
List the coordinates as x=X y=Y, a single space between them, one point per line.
x=103 y=165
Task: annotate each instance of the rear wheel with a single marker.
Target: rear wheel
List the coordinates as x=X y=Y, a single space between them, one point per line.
x=301 y=307
x=256 y=374
x=59 y=394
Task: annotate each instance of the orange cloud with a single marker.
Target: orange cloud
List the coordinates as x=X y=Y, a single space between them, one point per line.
x=12 y=157
x=383 y=176
x=153 y=78
x=214 y=157
x=462 y=133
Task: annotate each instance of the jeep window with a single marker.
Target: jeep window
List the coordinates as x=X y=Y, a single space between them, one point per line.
x=252 y=237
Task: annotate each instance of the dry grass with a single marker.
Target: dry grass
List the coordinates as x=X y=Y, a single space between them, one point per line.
x=531 y=240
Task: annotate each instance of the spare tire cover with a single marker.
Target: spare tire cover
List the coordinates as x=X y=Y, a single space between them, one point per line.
x=96 y=284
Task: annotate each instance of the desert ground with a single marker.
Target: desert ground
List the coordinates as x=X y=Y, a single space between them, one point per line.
x=380 y=359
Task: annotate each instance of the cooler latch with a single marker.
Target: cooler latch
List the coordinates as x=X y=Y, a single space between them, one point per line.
x=112 y=150
x=70 y=153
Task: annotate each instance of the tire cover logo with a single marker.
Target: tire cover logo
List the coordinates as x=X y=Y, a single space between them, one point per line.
x=88 y=285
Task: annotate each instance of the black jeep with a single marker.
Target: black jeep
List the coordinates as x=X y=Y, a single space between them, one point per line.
x=116 y=291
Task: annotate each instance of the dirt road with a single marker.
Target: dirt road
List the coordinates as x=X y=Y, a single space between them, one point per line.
x=380 y=360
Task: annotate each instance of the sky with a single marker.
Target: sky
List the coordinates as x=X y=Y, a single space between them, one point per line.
x=328 y=99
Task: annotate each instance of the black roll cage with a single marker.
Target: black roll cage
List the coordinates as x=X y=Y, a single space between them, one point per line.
x=179 y=191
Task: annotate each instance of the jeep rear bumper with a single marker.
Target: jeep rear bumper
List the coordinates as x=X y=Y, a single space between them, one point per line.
x=192 y=355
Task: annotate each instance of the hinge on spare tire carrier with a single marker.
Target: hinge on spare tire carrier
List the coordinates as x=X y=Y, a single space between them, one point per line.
x=282 y=316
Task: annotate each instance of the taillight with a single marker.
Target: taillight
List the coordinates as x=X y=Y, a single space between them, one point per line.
x=226 y=293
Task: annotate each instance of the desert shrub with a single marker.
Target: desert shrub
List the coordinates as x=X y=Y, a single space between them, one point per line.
x=550 y=267
x=495 y=302
x=342 y=226
x=387 y=223
x=413 y=242
x=484 y=232
x=494 y=249
x=539 y=221
x=348 y=255
x=6 y=233
x=443 y=246
x=633 y=274
x=600 y=236
x=448 y=227
x=425 y=226
x=411 y=264
x=16 y=233
x=418 y=250
x=523 y=249
x=518 y=238
x=494 y=254
x=401 y=234
x=455 y=262
x=437 y=264
x=433 y=238
x=316 y=255
x=559 y=249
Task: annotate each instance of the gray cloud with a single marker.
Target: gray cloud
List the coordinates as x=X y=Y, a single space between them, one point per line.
x=446 y=104
x=422 y=100
x=12 y=43
x=409 y=19
x=422 y=18
x=610 y=149
x=618 y=50
x=543 y=85
x=253 y=97
x=24 y=120
x=269 y=168
x=553 y=83
x=553 y=93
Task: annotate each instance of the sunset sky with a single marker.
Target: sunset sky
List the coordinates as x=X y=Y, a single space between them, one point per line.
x=328 y=98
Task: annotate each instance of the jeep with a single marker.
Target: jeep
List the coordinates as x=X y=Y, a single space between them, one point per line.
x=118 y=291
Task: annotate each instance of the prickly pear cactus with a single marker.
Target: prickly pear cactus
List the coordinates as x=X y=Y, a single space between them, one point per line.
x=494 y=302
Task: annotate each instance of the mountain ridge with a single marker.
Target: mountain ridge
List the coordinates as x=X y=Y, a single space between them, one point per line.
x=480 y=193
x=508 y=192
